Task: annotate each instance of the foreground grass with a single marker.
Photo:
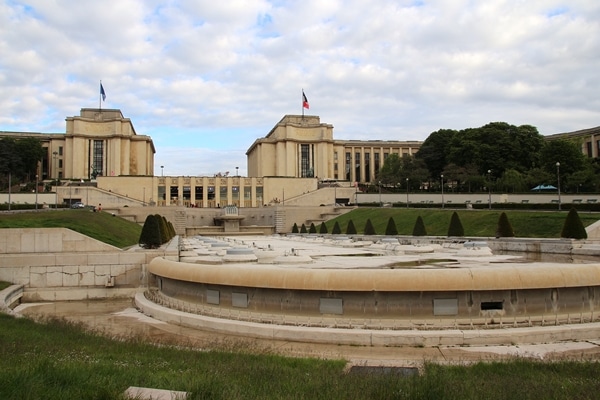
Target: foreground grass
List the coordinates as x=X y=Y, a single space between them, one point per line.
x=59 y=360
x=98 y=225
x=480 y=223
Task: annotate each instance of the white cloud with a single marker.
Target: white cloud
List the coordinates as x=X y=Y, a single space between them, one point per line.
x=202 y=77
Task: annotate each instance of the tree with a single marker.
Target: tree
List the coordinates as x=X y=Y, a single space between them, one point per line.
x=391 y=229
x=150 y=235
x=323 y=228
x=504 y=228
x=419 y=228
x=303 y=229
x=295 y=228
x=391 y=170
x=312 y=228
x=351 y=229
x=434 y=149
x=369 y=229
x=336 y=229
x=456 y=227
x=573 y=227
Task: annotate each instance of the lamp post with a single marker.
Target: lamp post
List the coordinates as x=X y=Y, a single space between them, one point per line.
x=489 y=189
x=9 y=188
x=406 y=192
x=236 y=171
x=162 y=170
x=380 y=203
x=442 y=176
x=558 y=182
x=55 y=173
x=36 y=191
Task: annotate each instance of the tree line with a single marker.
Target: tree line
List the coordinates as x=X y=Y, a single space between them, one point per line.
x=20 y=158
x=498 y=155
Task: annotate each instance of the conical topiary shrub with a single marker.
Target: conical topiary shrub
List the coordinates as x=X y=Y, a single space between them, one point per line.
x=323 y=228
x=303 y=229
x=313 y=228
x=504 y=228
x=455 y=228
x=391 y=229
x=150 y=235
x=369 y=229
x=419 y=228
x=336 y=229
x=573 y=227
x=351 y=229
x=295 y=228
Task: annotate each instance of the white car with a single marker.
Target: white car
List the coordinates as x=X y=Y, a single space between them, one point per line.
x=78 y=205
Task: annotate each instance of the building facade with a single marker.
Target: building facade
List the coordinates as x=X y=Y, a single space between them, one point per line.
x=98 y=142
x=301 y=147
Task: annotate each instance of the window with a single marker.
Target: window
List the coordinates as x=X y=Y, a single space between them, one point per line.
x=199 y=192
x=367 y=167
x=305 y=170
x=97 y=158
x=376 y=163
x=357 y=166
x=348 y=165
x=60 y=150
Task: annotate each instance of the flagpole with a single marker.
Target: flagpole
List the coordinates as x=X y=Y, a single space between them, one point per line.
x=100 y=97
x=302 y=102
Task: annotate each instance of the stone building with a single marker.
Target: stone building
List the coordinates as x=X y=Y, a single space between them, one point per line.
x=302 y=146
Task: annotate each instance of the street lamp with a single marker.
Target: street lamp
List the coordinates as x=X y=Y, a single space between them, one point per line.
x=558 y=181
x=442 y=176
x=380 y=203
x=236 y=171
x=489 y=189
x=55 y=173
x=36 y=191
x=406 y=192
x=162 y=170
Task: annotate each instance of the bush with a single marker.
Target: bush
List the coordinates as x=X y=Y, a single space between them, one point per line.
x=303 y=229
x=369 y=229
x=391 y=229
x=455 y=228
x=504 y=228
x=419 y=228
x=351 y=229
x=295 y=228
x=336 y=229
x=313 y=228
x=573 y=227
x=150 y=236
x=323 y=228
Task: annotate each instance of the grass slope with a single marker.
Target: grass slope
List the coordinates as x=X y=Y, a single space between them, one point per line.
x=481 y=223
x=98 y=225
x=58 y=360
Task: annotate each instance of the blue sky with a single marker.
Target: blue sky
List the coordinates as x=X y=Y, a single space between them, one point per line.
x=205 y=79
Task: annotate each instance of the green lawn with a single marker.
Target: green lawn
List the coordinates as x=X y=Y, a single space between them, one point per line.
x=481 y=223
x=59 y=360
x=98 y=225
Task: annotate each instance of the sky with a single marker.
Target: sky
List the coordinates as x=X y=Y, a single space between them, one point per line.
x=205 y=79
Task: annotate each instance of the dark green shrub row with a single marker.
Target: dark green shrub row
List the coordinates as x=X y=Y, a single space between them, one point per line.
x=573 y=227
x=156 y=232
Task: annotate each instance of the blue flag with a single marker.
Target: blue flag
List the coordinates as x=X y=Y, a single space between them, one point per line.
x=102 y=92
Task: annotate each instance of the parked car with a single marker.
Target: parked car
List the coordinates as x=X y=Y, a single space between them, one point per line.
x=78 y=205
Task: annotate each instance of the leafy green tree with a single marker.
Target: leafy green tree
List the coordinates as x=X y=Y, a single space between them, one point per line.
x=369 y=228
x=295 y=228
x=150 y=235
x=391 y=229
x=511 y=181
x=312 y=228
x=31 y=152
x=323 y=228
x=504 y=228
x=336 y=229
x=573 y=227
x=434 y=149
x=456 y=227
x=419 y=228
x=391 y=170
x=303 y=229
x=351 y=229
